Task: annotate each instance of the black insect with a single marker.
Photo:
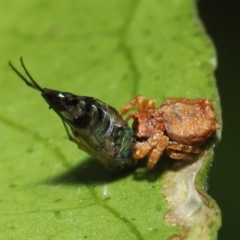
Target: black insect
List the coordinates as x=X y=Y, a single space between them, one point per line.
x=93 y=125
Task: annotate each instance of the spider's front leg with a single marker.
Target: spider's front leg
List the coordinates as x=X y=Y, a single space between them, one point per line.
x=141 y=102
x=153 y=147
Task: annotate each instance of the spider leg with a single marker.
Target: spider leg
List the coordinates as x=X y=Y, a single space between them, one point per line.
x=180 y=155
x=182 y=152
x=141 y=102
x=183 y=148
x=153 y=148
x=141 y=149
x=158 y=142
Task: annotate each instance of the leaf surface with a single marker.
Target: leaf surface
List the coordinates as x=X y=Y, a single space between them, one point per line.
x=112 y=50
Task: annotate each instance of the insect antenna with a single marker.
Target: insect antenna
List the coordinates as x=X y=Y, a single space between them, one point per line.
x=33 y=83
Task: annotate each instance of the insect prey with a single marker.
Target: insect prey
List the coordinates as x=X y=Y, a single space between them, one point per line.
x=94 y=126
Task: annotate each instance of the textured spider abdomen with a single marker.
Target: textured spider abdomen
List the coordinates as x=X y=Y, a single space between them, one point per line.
x=189 y=121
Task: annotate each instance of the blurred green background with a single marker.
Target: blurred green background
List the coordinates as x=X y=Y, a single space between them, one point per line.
x=222 y=21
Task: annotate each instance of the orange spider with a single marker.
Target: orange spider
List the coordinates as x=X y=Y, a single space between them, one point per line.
x=179 y=125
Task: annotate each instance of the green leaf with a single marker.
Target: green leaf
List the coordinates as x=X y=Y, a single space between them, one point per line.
x=112 y=50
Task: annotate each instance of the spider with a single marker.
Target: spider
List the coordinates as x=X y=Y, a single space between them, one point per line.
x=179 y=125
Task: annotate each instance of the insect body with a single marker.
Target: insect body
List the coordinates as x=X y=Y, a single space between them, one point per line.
x=179 y=125
x=95 y=127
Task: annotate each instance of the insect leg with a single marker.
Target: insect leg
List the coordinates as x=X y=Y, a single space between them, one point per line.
x=70 y=137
